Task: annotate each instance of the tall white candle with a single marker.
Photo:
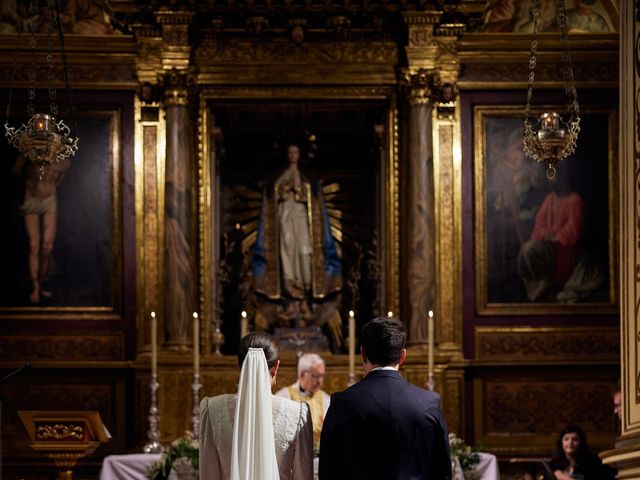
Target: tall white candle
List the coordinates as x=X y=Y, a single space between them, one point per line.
x=431 y=341
x=244 y=324
x=352 y=343
x=154 y=344
x=196 y=344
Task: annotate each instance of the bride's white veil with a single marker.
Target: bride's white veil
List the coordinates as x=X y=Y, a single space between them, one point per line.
x=253 y=453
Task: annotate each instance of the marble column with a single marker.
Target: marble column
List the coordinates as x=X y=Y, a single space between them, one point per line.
x=179 y=231
x=419 y=253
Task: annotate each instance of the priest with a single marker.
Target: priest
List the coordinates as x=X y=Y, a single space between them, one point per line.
x=308 y=388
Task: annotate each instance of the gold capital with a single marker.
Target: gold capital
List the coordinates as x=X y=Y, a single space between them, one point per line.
x=178 y=85
x=419 y=86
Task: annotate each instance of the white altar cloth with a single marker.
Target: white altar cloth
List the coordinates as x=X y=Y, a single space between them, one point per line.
x=128 y=467
x=487 y=468
x=135 y=466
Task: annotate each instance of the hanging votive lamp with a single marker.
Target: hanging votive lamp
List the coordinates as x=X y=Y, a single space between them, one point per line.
x=549 y=139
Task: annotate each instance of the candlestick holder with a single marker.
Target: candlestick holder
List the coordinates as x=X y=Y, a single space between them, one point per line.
x=195 y=416
x=431 y=383
x=217 y=339
x=153 y=445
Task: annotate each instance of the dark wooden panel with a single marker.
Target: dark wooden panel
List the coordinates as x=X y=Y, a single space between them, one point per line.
x=522 y=409
x=100 y=389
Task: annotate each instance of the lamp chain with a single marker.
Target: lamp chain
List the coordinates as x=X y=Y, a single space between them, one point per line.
x=50 y=19
x=532 y=60
x=554 y=139
x=570 y=84
x=32 y=72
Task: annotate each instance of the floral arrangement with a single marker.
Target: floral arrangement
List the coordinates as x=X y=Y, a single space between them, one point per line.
x=183 y=451
x=466 y=455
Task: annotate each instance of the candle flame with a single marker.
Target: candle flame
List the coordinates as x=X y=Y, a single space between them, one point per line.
x=153 y=314
x=351 y=313
x=195 y=314
x=243 y=314
x=430 y=313
x=390 y=314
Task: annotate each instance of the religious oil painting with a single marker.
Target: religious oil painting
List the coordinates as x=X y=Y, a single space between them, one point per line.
x=301 y=218
x=583 y=16
x=59 y=249
x=544 y=246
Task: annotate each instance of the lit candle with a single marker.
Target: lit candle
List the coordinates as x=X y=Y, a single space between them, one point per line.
x=154 y=344
x=196 y=344
x=431 y=341
x=244 y=324
x=390 y=314
x=352 y=344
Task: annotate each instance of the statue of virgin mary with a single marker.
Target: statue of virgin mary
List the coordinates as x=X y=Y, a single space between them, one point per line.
x=296 y=266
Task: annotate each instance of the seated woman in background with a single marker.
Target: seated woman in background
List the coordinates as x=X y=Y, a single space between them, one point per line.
x=254 y=435
x=574 y=460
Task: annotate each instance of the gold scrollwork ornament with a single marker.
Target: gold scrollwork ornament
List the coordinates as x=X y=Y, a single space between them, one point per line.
x=58 y=431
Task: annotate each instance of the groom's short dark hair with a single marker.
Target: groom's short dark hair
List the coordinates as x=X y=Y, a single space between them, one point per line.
x=383 y=340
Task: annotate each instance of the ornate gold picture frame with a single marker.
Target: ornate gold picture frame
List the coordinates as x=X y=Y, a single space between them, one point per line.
x=544 y=247
x=84 y=276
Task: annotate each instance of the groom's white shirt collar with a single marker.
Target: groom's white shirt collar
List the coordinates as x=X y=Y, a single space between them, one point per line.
x=388 y=367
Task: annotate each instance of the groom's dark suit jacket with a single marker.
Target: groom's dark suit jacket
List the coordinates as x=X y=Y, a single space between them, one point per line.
x=384 y=428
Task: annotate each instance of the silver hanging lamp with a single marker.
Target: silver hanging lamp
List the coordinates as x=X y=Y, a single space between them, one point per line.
x=43 y=139
x=549 y=138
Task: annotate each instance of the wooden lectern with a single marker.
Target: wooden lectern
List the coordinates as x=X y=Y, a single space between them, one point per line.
x=64 y=436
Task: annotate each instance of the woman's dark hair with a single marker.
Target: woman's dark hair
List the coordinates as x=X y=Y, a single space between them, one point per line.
x=583 y=453
x=383 y=340
x=259 y=340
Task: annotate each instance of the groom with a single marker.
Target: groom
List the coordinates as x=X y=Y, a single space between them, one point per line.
x=384 y=427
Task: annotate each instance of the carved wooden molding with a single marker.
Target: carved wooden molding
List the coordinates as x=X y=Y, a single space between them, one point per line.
x=212 y=52
x=527 y=344
x=496 y=75
x=68 y=347
x=102 y=72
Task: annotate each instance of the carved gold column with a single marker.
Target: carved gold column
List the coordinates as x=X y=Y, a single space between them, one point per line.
x=179 y=238
x=448 y=194
x=179 y=206
x=418 y=82
x=432 y=189
x=149 y=185
x=419 y=252
x=626 y=456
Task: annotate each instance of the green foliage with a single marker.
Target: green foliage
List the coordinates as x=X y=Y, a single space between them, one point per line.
x=185 y=448
x=466 y=455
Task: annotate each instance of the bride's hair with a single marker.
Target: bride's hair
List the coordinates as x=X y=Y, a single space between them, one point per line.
x=259 y=340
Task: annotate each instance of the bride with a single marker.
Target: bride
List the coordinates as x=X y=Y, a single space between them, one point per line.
x=254 y=435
